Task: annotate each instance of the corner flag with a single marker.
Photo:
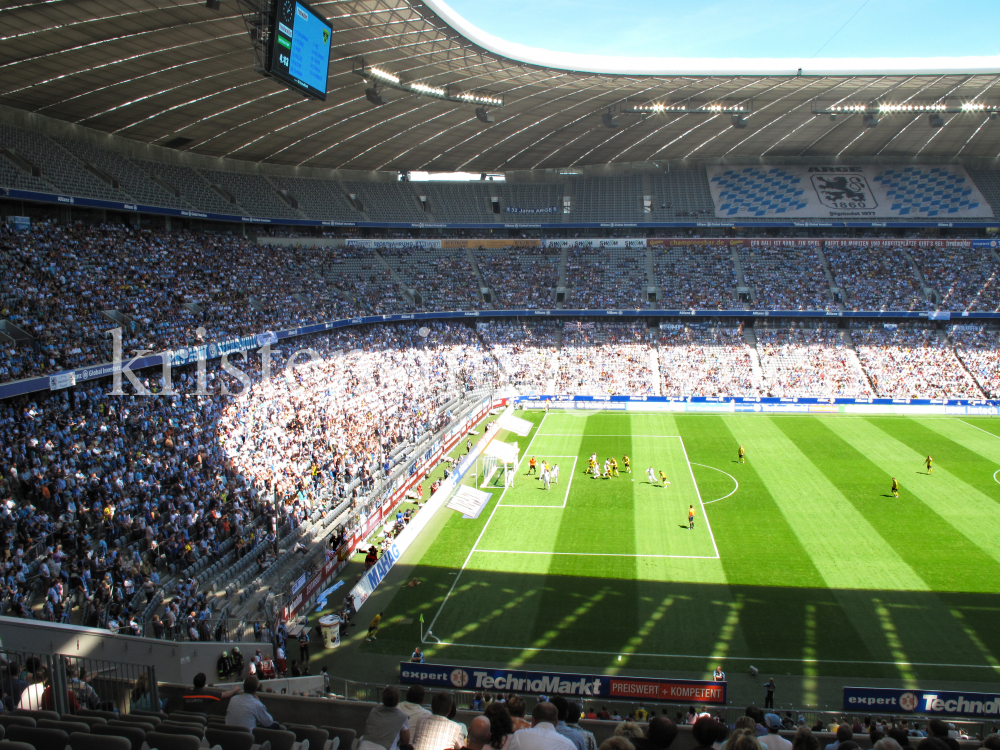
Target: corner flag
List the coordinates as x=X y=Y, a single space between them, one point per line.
x=421 y=618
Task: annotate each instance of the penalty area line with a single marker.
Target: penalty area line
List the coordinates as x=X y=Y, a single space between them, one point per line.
x=592 y=554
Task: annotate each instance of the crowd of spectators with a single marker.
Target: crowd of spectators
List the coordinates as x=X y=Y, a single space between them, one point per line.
x=695 y=276
x=612 y=359
x=706 y=362
x=523 y=278
x=979 y=350
x=965 y=279
x=786 y=278
x=812 y=362
x=612 y=278
x=526 y=353
x=876 y=279
x=908 y=362
x=444 y=278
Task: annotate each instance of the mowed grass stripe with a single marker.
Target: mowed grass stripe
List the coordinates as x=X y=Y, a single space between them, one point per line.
x=965 y=452
x=825 y=522
x=908 y=623
x=972 y=514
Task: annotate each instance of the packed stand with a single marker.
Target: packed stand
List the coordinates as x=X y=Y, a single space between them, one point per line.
x=62 y=279
x=809 y=362
x=876 y=279
x=965 y=279
x=786 y=278
x=905 y=362
x=370 y=390
x=612 y=278
x=443 y=278
x=522 y=278
x=362 y=283
x=980 y=351
x=526 y=352
x=614 y=359
x=710 y=362
x=695 y=277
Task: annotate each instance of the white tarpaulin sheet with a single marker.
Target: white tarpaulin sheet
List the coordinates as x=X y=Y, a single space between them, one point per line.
x=506 y=452
x=515 y=424
x=844 y=192
x=468 y=501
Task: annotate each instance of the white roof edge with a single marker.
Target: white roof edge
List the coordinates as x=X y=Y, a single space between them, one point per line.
x=713 y=66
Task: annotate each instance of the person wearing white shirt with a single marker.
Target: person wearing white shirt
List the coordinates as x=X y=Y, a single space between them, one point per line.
x=412 y=706
x=542 y=735
x=773 y=740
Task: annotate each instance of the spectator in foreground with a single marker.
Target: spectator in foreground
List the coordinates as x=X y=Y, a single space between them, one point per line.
x=387 y=726
x=661 y=734
x=888 y=743
x=573 y=735
x=517 y=708
x=773 y=740
x=805 y=740
x=542 y=734
x=202 y=699
x=480 y=732
x=437 y=731
x=616 y=743
x=572 y=721
x=413 y=705
x=844 y=734
x=246 y=710
x=706 y=729
x=501 y=725
x=629 y=729
x=742 y=739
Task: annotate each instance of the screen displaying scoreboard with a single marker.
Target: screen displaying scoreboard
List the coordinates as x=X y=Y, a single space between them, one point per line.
x=300 y=48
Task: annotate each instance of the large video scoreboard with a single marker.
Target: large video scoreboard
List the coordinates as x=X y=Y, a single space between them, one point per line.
x=300 y=48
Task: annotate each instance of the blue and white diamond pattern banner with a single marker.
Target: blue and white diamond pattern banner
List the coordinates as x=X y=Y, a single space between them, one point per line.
x=846 y=192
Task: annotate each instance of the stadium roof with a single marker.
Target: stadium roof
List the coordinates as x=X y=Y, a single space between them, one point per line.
x=159 y=70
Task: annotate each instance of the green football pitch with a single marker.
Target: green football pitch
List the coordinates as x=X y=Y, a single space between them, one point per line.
x=801 y=561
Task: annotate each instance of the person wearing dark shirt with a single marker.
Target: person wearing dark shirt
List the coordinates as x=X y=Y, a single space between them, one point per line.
x=205 y=699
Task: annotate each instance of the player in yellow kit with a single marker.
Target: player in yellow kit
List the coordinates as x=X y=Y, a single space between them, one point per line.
x=741 y=456
x=614 y=467
x=628 y=464
x=930 y=465
x=895 y=487
x=663 y=478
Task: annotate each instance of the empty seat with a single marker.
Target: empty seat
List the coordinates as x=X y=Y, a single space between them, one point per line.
x=189 y=716
x=230 y=728
x=67 y=726
x=40 y=739
x=9 y=721
x=36 y=714
x=90 y=721
x=154 y=714
x=106 y=715
x=135 y=721
x=280 y=739
x=133 y=733
x=165 y=741
x=8 y=745
x=171 y=727
x=316 y=737
x=347 y=737
x=229 y=740
x=83 y=741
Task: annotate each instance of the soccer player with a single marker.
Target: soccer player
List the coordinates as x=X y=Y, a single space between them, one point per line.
x=607 y=468
x=545 y=476
x=628 y=464
x=614 y=466
x=554 y=474
x=651 y=475
x=663 y=479
x=595 y=470
x=532 y=466
x=742 y=456
x=691 y=517
x=373 y=626
x=929 y=462
x=895 y=487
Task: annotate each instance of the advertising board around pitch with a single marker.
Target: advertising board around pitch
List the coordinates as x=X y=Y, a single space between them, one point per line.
x=926 y=702
x=557 y=683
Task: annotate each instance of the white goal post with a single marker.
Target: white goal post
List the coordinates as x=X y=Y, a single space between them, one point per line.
x=498 y=465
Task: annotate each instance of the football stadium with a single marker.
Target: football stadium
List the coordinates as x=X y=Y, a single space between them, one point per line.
x=370 y=381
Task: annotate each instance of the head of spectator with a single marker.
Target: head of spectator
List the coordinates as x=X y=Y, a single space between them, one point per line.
x=773 y=723
x=250 y=685
x=888 y=743
x=704 y=731
x=414 y=694
x=991 y=742
x=661 y=732
x=516 y=706
x=630 y=729
x=544 y=713
x=480 y=733
x=845 y=733
x=932 y=743
x=937 y=728
x=616 y=742
x=562 y=707
x=745 y=722
x=900 y=736
x=501 y=724
x=804 y=739
x=442 y=704
x=390 y=696
x=200 y=680
x=742 y=739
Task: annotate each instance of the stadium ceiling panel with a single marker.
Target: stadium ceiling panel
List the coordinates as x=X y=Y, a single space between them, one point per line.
x=157 y=70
